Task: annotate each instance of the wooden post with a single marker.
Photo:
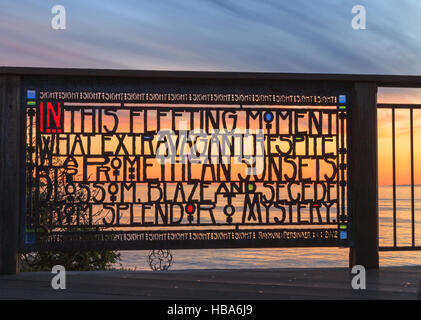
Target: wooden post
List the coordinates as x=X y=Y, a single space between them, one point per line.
x=363 y=195
x=10 y=159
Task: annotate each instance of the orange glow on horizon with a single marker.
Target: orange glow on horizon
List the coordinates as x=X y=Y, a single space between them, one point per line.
x=402 y=134
x=402 y=130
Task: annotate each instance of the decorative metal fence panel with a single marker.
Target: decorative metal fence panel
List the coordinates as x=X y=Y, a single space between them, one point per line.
x=403 y=216
x=123 y=164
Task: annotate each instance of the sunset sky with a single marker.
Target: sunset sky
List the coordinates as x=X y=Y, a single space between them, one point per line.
x=227 y=35
x=246 y=35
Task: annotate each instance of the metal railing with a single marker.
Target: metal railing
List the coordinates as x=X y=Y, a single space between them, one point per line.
x=393 y=108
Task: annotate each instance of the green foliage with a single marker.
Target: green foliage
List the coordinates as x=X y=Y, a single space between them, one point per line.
x=72 y=261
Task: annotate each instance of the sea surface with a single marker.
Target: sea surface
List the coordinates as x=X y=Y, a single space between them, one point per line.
x=304 y=257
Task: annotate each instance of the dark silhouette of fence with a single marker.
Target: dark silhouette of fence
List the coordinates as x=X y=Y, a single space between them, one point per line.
x=361 y=137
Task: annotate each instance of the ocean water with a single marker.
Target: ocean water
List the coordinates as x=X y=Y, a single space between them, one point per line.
x=304 y=257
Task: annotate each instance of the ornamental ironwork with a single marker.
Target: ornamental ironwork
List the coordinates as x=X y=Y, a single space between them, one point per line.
x=120 y=167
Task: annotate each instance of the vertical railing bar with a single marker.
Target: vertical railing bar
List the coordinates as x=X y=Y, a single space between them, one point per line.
x=394 y=176
x=411 y=116
x=29 y=175
x=342 y=170
x=337 y=165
